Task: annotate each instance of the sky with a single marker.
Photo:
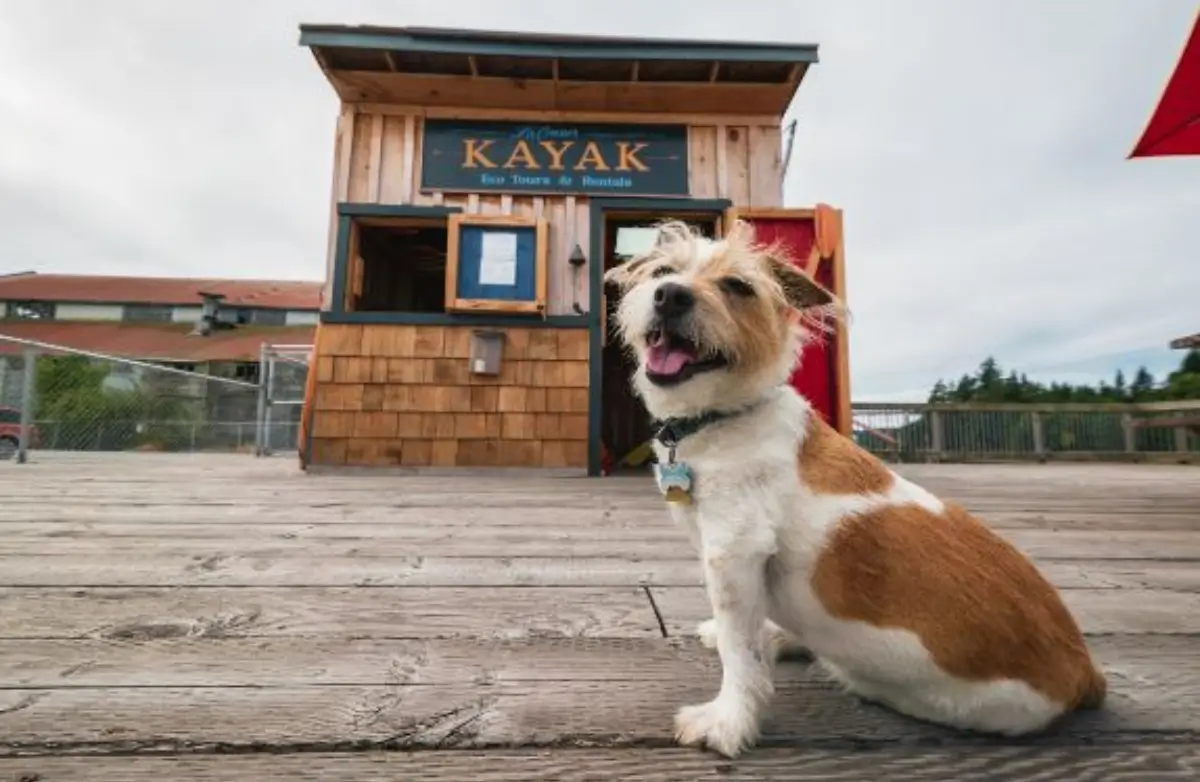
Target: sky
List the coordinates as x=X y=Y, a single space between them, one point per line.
x=978 y=148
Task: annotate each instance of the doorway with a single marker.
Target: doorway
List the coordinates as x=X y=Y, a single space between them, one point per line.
x=624 y=423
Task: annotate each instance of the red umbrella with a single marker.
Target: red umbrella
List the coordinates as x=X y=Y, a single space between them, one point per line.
x=1174 y=127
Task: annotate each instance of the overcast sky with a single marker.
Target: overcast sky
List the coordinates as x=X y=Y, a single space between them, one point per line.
x=977 y=146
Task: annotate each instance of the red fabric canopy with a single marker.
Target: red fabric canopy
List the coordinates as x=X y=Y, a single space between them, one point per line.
x=1174 y=127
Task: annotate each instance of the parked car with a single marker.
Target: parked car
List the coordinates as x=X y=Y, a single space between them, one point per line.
x=10 y=433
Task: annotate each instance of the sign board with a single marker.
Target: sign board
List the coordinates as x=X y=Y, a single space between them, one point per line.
x=525 y=157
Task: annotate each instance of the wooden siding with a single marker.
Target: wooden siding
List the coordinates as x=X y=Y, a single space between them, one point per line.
x=402 y=396
x=378 y=161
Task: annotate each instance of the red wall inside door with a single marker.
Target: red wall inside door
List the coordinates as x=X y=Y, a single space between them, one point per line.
x=815 y=378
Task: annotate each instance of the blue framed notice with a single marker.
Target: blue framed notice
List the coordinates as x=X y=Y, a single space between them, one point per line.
x=496 y=263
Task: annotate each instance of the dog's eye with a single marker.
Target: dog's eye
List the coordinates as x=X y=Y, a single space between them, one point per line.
x=736 y=286
x=662 y=271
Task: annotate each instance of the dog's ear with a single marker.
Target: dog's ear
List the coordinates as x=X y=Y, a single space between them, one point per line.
x=801 y=291
x=623 y=274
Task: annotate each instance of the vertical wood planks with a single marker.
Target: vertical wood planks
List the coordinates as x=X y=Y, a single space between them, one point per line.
x=766 y=167
x=360 y=158
x=394 y=176
x=375 y=158
x=412 y=176
x=702 y=162
x=737 y=157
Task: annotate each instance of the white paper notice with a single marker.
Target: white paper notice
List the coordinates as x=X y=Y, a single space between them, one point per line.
x=498 y=261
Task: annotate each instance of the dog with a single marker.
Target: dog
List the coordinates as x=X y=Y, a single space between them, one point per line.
x=807 y=541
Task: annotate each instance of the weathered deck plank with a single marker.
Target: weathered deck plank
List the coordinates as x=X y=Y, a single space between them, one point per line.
x=659 y=541
x=341 y=661
x=213 y=604
x=303 y=571
x=1160 y=696
x=1145 y=762
x=116 y=517
x=416 y=612
x=1098 y=611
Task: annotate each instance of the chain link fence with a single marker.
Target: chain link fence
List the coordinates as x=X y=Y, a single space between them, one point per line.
x=57 y=398
x=284 y=373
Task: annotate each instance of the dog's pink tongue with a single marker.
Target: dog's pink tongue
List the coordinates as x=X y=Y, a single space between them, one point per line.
x=662 y=359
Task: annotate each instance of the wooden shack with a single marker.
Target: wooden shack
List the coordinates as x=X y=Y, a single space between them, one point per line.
x=482 y=184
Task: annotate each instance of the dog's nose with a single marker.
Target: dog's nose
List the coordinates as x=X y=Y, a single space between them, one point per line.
x=671 y=298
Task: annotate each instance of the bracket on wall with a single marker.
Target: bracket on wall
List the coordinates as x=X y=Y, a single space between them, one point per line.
x=577 y=260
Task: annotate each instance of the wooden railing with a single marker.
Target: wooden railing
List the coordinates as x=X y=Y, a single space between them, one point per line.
x=1156 y=431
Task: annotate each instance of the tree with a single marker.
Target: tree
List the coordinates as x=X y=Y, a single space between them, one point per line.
x=76 y=411
x=1191 y=362
x=1143 y=385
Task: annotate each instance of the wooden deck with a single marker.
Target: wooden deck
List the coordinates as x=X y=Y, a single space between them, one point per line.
x=201 y=617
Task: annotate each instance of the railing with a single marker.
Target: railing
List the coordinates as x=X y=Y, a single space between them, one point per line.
x=1155 y=431
x=58 y=398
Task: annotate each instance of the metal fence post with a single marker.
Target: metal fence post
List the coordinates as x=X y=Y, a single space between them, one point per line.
x=268 y=423
x=28 y=385
x=261 y=409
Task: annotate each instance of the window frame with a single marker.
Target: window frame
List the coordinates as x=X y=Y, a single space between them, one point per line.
x=534 y=306
x=350 y=216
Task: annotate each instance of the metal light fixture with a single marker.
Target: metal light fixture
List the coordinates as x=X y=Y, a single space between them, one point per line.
x=577 y=258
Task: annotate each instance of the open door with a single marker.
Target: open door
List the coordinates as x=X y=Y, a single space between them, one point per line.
x=814 y=237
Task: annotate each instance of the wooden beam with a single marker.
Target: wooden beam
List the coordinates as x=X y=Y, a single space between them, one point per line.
x=473 y=64
x=490 y=92
x=391 y=61
x=466 y=112
x=714 y=71
x=633 y=75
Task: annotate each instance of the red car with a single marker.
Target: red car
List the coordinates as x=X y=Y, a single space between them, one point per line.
x=10 y=433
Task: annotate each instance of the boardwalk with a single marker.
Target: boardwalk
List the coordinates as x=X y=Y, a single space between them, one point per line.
x=225 y=618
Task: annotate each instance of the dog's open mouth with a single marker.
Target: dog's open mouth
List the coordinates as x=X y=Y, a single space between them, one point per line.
x=672 y=359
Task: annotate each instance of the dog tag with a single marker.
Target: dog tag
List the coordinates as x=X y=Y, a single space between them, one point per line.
x=675 y=482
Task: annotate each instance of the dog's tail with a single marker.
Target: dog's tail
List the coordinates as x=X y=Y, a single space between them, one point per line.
x=1095 y=691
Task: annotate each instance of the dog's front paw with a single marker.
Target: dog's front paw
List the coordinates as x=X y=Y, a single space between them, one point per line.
x=720 y=726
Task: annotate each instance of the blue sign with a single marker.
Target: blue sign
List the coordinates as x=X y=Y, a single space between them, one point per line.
x=524 y=157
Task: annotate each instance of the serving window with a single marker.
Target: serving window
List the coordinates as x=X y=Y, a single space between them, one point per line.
x=444 y=263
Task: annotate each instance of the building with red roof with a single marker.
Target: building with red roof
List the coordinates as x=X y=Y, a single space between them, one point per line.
x=156 y=319
x=209 y=327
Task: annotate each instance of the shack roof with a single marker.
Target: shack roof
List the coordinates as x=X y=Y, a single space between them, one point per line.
x=459 y=68
x=1190 y=342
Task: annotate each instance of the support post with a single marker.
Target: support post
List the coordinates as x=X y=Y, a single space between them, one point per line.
x=261 y=412
x=935 y=435
x=1039 y=436
x=1129 y=433
x=28 y=386
x=1181 y=439
x=268 y=370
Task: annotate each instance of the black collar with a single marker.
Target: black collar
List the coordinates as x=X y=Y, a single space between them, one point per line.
x=673 y=430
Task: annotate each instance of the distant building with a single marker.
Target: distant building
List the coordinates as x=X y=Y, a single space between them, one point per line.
x=159 y=319
x=209 y=326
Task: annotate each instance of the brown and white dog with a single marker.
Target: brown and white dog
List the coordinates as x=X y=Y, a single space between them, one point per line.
x=807 y=540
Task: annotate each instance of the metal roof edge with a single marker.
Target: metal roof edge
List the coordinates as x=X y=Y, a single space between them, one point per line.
x=548 y=45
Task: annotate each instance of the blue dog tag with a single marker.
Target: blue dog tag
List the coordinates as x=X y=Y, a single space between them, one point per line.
x=674 y=481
